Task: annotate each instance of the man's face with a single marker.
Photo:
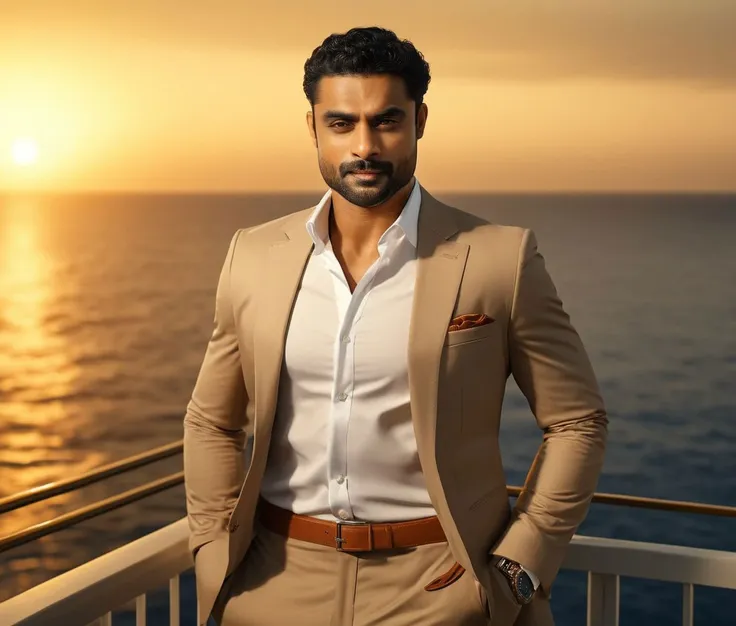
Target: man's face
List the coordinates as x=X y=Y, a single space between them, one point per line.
x=365 y=129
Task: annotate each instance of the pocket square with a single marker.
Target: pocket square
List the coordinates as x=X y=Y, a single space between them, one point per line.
x=469 y=320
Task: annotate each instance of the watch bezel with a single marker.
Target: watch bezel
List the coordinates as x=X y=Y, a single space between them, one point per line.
x=517 y=586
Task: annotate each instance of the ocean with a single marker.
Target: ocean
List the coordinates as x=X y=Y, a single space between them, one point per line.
x=106 y=305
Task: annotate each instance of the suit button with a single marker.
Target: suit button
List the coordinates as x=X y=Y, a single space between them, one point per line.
x=233 y=527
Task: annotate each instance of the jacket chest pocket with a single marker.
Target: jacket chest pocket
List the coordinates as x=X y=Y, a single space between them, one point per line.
x=471 y=335
x=476 y=377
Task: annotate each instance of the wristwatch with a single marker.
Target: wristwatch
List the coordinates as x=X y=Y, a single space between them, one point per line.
x=519 y=581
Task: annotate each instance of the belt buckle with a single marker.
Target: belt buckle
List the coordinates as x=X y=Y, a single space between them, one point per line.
x=339 y=540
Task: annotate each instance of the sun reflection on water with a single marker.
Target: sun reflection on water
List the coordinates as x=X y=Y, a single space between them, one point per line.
x=37 y=374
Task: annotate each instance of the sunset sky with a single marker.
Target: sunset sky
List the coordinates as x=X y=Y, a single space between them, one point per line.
x=164 y=95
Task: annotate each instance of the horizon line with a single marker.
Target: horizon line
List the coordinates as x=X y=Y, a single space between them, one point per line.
x=320 y=192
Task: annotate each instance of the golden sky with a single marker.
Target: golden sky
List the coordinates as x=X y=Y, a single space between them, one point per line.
x=168 y=95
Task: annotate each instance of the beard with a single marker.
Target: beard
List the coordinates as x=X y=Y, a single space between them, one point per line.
x=368 y=193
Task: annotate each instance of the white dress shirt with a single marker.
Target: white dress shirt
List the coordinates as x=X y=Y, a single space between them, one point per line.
x=343 y=445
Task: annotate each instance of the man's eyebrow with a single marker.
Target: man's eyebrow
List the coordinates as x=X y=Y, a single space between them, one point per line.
x=391 y=111
x=331 y=115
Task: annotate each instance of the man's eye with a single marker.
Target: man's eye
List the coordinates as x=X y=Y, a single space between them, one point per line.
x=340 y=125
x=387 y=122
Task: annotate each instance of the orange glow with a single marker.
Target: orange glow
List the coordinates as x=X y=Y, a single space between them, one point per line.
x=584 y=97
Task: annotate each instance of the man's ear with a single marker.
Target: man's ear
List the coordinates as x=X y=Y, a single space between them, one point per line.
x=422 y=114
x=311 y=127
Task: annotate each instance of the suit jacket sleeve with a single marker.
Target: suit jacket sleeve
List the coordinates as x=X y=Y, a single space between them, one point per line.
x=550 y=366
x=214 y=435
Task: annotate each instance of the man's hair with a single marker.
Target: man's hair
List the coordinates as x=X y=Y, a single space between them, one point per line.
x=365 y=52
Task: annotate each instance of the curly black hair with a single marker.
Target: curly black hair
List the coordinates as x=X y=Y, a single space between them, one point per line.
x=363 y=52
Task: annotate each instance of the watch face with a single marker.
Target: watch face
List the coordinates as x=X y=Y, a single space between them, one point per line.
x=524 y=585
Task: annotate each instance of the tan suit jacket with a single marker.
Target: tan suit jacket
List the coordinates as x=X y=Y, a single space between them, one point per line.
x=457 y=382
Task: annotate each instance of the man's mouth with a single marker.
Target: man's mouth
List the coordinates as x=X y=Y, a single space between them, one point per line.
x=366 y=173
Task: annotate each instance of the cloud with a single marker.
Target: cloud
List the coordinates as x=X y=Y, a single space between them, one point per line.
x=651 y=40
x=680 y=40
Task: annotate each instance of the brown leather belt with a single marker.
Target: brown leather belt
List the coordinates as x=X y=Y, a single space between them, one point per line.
x=350 y=536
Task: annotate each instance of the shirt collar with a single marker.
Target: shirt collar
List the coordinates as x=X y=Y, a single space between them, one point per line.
x=407 y=222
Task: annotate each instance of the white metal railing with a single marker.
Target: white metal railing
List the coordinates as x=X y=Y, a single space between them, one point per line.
x=607 y=560
x=92 y=591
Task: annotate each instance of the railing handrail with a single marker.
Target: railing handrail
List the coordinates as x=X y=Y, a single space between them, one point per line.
x=653 y=561
x=93 y=510
x=43 y=492
x=172 y=480
x=655 y=504
x=114 y=502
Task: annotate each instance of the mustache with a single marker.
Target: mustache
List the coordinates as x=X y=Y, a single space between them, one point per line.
x=363 y=165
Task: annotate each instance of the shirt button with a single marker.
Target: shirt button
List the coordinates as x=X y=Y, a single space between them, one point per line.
x=340 y=479
x=342 y=397
x=343 y=514
x=346 y=339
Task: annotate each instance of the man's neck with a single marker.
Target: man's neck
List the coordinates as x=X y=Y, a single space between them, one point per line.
x=355 y=230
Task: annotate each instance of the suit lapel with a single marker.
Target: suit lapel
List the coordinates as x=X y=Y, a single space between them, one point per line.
x=440 y=266
x=283 y=267
x=283 y=270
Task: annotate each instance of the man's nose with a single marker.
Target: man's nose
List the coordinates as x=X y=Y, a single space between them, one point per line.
x=366 y=142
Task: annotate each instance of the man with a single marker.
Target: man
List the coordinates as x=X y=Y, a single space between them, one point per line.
x=364 y=345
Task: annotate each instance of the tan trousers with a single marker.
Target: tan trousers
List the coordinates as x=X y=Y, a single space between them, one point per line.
x=284 y=581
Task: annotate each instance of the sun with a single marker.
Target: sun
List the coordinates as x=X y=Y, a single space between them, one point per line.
x=25 y=151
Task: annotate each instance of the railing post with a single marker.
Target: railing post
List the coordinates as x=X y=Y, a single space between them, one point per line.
x=174 y=600
x=140 y=610
x=603 y=599
x=688 y=604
